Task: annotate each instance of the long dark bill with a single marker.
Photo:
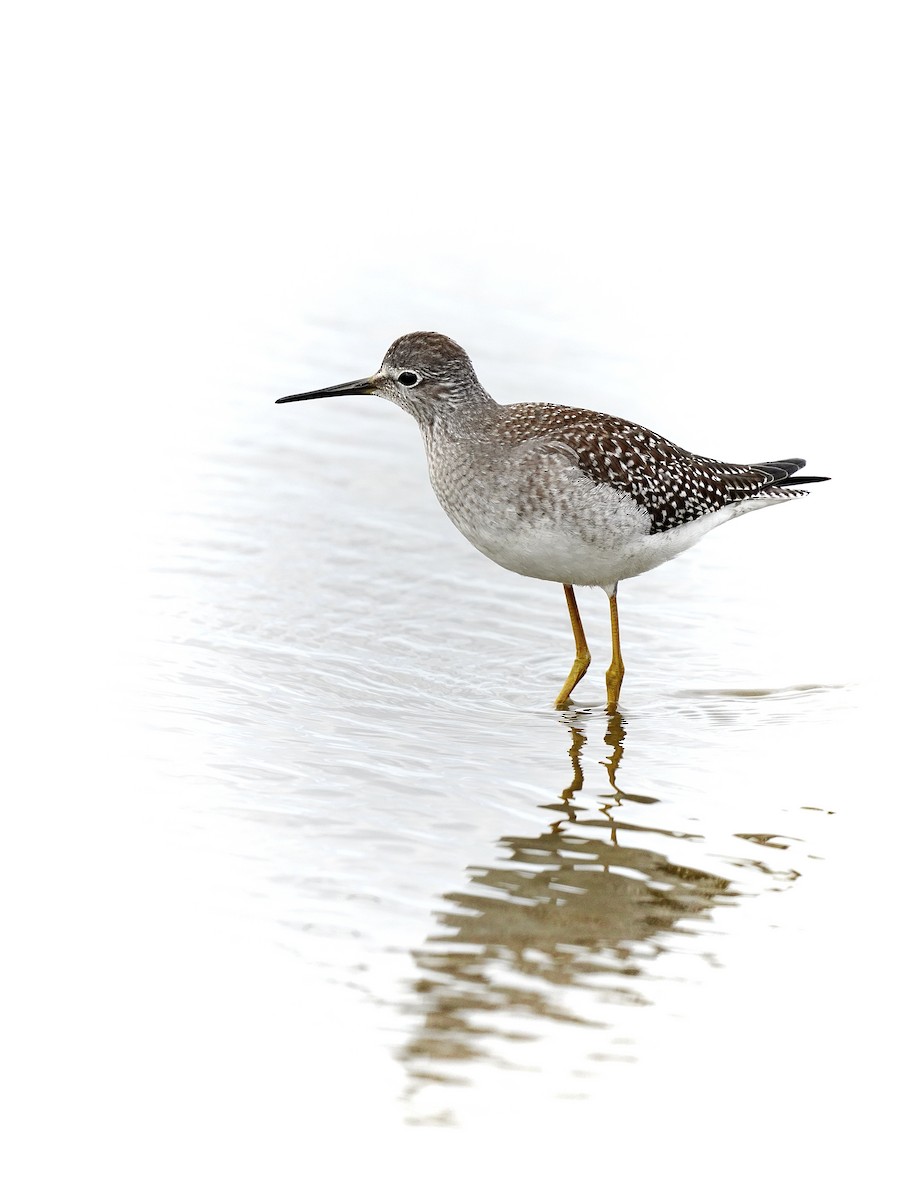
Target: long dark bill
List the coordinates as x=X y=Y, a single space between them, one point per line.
x=358 y=387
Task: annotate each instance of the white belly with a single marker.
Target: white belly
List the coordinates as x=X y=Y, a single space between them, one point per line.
x=564 y=555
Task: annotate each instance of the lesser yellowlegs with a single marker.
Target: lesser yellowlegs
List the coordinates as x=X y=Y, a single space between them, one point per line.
x=564 y=494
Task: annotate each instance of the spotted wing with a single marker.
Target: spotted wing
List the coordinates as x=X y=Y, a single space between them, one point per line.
x=673 y=485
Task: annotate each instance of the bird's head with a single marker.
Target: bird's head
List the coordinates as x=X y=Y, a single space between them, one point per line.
x=424 y=373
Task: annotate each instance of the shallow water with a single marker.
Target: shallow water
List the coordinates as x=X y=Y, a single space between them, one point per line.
x=347 y=862
x=317 y=850
x=361 y=707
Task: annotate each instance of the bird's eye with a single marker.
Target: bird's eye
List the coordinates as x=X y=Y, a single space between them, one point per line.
x=408 y=378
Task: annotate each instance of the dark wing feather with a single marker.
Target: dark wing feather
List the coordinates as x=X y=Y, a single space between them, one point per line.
x=673 y=485
x=789 y=466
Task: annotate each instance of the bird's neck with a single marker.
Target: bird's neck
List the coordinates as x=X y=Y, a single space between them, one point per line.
x=468 y=419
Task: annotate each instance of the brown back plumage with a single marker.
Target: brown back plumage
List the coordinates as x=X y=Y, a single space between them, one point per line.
x=673 y=485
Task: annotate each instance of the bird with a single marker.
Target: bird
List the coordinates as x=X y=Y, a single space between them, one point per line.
x=558 y=493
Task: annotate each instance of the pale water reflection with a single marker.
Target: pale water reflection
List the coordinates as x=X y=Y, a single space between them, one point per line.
x=569 y=924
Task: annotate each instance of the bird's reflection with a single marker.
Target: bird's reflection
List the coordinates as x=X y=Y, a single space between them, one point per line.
x=570 y=914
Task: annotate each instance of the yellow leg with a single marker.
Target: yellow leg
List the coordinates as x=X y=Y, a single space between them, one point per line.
x=616 y=672
x=582 y=654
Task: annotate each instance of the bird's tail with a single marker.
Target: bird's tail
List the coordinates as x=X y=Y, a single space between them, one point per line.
x=785 y=468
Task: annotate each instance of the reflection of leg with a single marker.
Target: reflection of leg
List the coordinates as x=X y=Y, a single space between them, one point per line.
x=616 y=672
x=582 y=654
x=615 y=736
x=578 y=740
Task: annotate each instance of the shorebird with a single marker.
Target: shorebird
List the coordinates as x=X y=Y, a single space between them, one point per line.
x=564 y=494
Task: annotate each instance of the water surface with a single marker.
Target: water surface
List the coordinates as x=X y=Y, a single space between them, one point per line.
x=520 y=902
